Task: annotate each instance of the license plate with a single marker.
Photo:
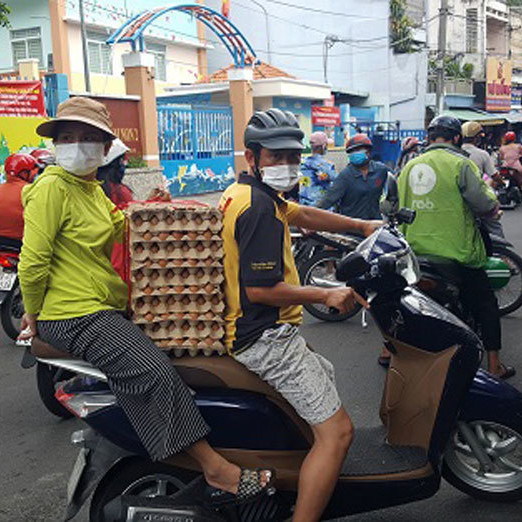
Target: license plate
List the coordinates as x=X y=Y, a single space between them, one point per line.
x=7 y=281
x=74 y=479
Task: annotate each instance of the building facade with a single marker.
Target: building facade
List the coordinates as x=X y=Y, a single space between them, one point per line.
x=49 y=30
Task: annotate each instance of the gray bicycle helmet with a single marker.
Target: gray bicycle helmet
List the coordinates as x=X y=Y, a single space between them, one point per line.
x=274 y=129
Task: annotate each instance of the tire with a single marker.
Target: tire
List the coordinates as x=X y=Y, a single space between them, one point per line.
x=139 y=477
x=306 y=275
x=503 y=483
x=45 y=380
x=12 y=311
x=510 y=297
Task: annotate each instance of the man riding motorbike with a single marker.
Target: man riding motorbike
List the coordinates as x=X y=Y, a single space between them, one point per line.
x=510 y=153
x=473 y=137
x=317 y=172
x=448 y=193
x=358 y=188
x=264 y=297
x=20 y=170
x=409 y=150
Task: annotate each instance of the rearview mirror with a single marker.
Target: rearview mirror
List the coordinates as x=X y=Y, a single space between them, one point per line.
x=389 y=204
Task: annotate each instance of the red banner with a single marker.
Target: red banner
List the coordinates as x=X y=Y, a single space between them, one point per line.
x=21 y=98
x=326 y=116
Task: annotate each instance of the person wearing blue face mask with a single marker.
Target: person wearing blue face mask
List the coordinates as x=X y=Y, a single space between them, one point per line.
x=357 y=189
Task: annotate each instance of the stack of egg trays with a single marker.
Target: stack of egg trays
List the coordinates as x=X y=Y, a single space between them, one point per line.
x=176 y=274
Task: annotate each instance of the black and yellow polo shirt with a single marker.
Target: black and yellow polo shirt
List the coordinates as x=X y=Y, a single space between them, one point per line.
x=257 y=245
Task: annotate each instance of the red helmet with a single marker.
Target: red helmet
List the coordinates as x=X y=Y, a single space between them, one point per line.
x=21 y=166
x=409 y=143
x=43 y=157
x=509 y=137
x=358 y=141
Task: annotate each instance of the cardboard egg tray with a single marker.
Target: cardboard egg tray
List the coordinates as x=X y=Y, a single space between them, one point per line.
x=157 y=278
x=176 y=250
x=176 y=272
x=166 y=217
x=184 y=329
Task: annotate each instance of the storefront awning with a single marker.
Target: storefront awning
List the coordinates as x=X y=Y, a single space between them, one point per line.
x=483 y=118
x=511 y=117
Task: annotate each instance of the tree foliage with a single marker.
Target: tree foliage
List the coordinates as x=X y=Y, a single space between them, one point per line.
x=4 y=12
x=401 y=28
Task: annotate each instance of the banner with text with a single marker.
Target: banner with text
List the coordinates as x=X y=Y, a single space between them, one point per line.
x=21 y=98
x=498 y=85
x=323 y=116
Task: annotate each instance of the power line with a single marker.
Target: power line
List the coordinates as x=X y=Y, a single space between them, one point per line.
x=322 y=11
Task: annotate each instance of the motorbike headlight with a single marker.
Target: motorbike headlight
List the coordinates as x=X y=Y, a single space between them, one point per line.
x=408 y=267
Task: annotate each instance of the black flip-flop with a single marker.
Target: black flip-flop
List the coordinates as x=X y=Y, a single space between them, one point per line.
x=508 y=372
x=384 y=361
x=249 y=489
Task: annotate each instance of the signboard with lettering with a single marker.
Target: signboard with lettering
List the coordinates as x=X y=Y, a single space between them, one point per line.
x=21 y=98
x=498 y=85
x=516 y=96
x=326 y=116
x=125 y=122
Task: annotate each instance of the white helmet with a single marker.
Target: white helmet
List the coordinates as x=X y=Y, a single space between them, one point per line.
x=118 y=148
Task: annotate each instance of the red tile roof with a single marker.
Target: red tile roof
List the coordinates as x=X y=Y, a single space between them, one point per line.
x=261 y=71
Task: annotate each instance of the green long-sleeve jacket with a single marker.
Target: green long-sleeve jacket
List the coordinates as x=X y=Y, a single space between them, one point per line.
x=65 y=266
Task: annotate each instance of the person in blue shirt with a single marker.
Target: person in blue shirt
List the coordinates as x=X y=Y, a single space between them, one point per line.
x=357 y=190
x=317 y=173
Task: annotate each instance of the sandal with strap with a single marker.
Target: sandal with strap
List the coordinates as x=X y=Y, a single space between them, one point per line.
x=507 y=372
x=249 y=488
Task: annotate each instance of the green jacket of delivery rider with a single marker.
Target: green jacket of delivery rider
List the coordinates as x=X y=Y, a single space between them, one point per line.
x=448 y=193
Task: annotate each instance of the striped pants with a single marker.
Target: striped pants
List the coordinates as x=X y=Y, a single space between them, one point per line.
x=155 y=399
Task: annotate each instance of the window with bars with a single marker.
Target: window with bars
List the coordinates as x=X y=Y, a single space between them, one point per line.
x=26 y=43
x=160 y=60
x=471 y=30
x=100 y=59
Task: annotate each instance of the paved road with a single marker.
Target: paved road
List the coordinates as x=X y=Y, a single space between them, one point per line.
x=36 y=456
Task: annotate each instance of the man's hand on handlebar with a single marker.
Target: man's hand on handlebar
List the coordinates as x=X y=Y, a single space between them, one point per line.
x=344 y=299
x=370 y=226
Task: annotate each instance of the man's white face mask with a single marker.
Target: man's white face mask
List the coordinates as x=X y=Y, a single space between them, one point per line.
x=281 y=178
x=80 y=159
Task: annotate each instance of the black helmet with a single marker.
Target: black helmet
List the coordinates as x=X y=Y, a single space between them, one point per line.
x=446 y=123
x=274 y=129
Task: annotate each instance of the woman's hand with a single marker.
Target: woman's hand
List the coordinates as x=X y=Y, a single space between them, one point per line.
x=28 y=327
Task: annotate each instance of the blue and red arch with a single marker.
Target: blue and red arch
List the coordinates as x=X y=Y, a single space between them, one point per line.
x=231 y=37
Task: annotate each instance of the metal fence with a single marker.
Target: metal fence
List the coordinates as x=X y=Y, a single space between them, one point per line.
x=196 y=146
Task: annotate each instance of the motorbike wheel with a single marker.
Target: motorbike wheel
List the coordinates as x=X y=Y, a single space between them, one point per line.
x=46 y=379
x=510 y=296
x=136 y=477
x=462 y=469
x=12 y=311
x=319 y=271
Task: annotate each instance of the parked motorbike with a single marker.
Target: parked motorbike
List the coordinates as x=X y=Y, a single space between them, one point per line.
x=11 y=306
x=316 y=256
x=507 y=190
x=439 y=416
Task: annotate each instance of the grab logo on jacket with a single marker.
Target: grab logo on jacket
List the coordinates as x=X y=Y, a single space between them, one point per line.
x=422 y=179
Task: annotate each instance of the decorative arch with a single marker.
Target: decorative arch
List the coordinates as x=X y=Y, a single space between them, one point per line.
x=234 y=41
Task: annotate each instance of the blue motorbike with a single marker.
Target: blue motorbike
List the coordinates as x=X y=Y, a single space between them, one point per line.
x=440 y=416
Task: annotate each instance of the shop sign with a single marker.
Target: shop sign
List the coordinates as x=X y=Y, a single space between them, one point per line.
x=516 y=96
x=21 y=98
x=498 y=85
x=326 y=116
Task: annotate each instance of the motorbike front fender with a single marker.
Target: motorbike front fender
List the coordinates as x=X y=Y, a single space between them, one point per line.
x=491 y=399
x=101 y=457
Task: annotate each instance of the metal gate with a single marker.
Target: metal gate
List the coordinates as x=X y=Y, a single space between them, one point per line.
x=196 y=145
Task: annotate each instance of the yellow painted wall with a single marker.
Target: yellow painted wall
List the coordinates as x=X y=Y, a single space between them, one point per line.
x=16 y=133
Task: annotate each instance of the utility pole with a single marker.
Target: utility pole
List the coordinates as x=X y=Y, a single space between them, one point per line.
x=443 y=26
x=85 y=51
x=267 y=25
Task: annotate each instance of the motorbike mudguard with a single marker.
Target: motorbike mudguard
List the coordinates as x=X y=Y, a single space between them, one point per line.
x=3 y=296
x=491 y=399
x=101 y=455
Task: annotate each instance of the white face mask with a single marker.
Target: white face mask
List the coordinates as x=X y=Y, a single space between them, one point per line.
x=80 y=159
x=281 y=178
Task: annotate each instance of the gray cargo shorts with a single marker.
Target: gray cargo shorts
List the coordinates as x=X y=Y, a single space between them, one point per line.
x=304 y=378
